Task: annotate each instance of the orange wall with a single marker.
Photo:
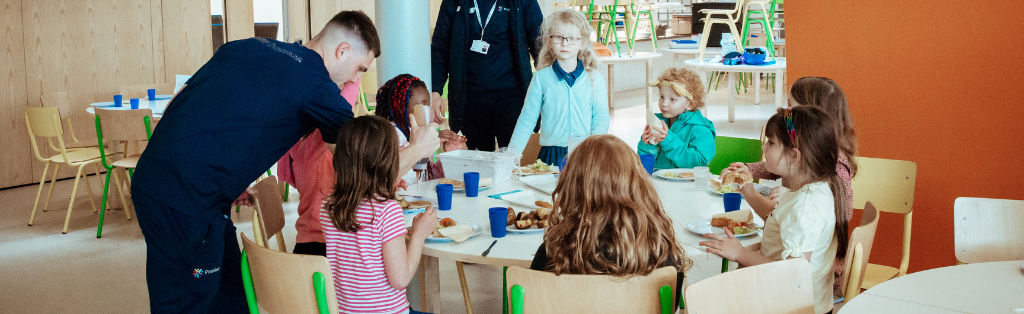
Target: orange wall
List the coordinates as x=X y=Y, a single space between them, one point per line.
x=940 y=83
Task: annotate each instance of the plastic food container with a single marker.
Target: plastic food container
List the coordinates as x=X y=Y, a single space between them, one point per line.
x=683 y=44
x=497 y=166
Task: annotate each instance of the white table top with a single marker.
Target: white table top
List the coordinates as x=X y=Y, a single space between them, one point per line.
x=638 y=56
x=157 y=106
x=780 y=63
x=996 y=287
x=693 y=51
x=682 y=202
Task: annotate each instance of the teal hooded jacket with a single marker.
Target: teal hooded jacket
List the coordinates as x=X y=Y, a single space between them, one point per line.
x=690 y=142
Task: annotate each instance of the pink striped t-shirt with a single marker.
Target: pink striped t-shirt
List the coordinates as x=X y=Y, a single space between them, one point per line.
x=357 y=259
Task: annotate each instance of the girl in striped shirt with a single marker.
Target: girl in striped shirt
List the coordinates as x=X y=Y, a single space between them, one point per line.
x=371 y=260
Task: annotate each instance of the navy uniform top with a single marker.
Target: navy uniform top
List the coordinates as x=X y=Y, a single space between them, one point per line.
x=568 y=77
x=494 y=70
x=233 y=120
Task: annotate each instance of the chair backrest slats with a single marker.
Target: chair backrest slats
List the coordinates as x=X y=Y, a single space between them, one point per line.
x=547 y=293
x=988 y=230
x=865 y=236
x=124 y=125
x=777 y=287
x=268 y=204
x=283 y=281
x=889 y=184
x=44 y=121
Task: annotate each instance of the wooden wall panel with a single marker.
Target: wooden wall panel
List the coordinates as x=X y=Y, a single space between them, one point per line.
x=16 y=158
x=239 y=19
x=321 y=12
x=297 y=21
x=187 y=36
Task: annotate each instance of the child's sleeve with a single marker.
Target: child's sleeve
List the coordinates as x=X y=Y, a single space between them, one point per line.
x=392 y=224
x=528 y=117
x=644 y=148
x=799 y=231
x=599 y=124
x=759 y=171
x=697 y=152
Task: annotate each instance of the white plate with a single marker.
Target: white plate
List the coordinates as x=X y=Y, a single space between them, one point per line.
x=417 y=210
x=702 y=226
x=661 y=174
x=763 y=189
x=513 y=230
x=543 y=183
x=463 y=190
x=526 y=199
x=476 y=231
x=522 y=174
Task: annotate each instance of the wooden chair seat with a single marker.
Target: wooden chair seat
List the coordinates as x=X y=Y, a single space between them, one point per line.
x=129 y=162
x=875 y=274
x=78 y=155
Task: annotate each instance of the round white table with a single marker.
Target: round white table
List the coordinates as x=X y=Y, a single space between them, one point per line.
x=680 y=200
x=996 y=287
x=779 y=68
x=678 y=54
x=646 y=57
x=157 y=106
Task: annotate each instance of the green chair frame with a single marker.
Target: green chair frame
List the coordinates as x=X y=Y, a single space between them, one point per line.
x=319 y=286
x=767 y=22
x=732 y=149
x=110 y=169
x=664 y=295
x=612 y=14
x=638 y=10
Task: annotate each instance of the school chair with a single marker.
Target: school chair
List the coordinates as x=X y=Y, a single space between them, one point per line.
x=857 y=253
x=268 y=214
x=777 y=287
x=61 y=101
x=140 y=91
x=988 y=230
x=45 y=122
x=368 y=91
x=606 y=13
x=121 y=126
x=729 y=17
x=765 y=17
x=732 y=149
x=889 y=185
x=282 y=282
x=640 y=9
x=536 y=291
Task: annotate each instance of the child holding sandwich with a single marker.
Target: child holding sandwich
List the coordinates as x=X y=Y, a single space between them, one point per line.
x=682 y=138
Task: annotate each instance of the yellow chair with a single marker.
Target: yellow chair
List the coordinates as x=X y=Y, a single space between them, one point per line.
x=140 y=91
x=777 y=287
x=988 y=230
x=889 y=185
x=731 y=17
x=124 y=127
x=61 y=101
x=368 y=91
x=286 y=283
x=858 y=252
x=268 y=216
x=536 y=291
x=45 y=122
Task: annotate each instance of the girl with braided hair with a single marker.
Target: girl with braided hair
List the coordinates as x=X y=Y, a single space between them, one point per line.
x=395 y=100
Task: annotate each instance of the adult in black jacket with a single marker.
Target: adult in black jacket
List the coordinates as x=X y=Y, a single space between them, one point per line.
x=485 y=57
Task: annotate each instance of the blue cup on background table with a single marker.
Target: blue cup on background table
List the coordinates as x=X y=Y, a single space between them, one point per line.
x=561 y=164
x=499 y=218
x=472 y=180
x=117 y=100
x=151 y=93
x=648 y=161
x=135 y=103
x=444 y=196
x=732 y=201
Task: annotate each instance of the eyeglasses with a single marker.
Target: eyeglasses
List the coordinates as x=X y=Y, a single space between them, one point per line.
x=566 y=40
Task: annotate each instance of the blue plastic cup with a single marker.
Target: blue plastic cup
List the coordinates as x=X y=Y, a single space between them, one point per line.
x=151 y=93
x=472 y=180
x=561 y=164
x=498 y=217
x=117 y=100
x=135 y=103
x=444 y=196
x=648 y=161
x=732 y=201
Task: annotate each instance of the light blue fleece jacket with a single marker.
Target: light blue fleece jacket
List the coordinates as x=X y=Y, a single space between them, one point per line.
x=578 y=110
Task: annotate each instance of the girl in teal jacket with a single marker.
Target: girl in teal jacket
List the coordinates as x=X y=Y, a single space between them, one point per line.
x=684 y=138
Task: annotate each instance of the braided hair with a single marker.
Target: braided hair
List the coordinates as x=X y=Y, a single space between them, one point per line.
x=393 y=100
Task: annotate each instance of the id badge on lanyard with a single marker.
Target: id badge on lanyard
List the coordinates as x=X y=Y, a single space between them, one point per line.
x=480 y=46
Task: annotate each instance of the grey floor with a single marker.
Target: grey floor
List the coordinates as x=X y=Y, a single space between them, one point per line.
x=44 y=271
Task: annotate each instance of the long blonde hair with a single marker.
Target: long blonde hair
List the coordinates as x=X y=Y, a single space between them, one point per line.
x=607 y=217
x=574 y=18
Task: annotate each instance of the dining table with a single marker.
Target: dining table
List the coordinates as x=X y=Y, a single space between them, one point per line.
x=610 y=62
x=157 y=105
x=993 y=287
x=778 y=68
x=680 y=200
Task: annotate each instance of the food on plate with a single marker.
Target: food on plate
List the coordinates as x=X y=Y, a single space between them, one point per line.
x=737 y=178
x=457 y=233
x=447 y=222
x=720 y=222
x=456 y=184
x=525 y=170
x=403 y=203
x=744 y=215
x=524 y=224
x=684 y=175
x=511 y=217
x=543 y=212
x=529 y=220
x=543 y=204
x=541 y=224
x=522 y=215
x=669 y=175
x=533 y=216
x=406 y=204
x=739 y=221
x=541 y=166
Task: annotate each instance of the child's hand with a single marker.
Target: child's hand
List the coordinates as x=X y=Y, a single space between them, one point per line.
x=438 y=105
x=401 y=184
x=246 y=199
x=425 y=137
x=424 y=224
x=727 y=247
x=777 y=192
x=737 y=167
x=451 y=140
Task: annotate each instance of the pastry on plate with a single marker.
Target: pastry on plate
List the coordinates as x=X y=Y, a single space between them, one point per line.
x=456 y=184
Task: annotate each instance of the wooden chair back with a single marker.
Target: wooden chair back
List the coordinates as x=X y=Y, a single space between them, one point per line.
x=283 y=282
x=45 y=122
x=889 y=184
x=269 y=212
x=777 y=287
x=368 y=84
x=545 y=292
x=988 y=230
x=58 y=100
x=856 y=262
x=531 y=151
x=139 y=91
x=124 y=125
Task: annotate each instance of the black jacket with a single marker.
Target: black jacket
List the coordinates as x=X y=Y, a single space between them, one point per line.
x=451 y=42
